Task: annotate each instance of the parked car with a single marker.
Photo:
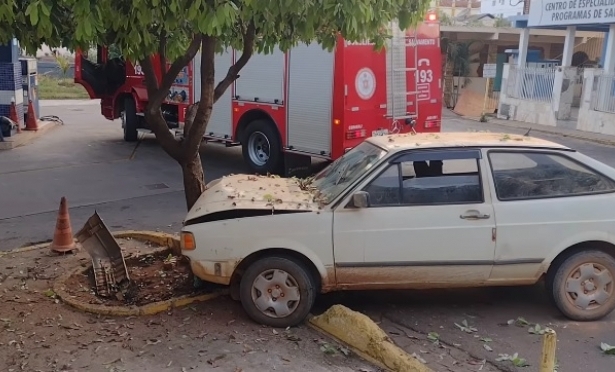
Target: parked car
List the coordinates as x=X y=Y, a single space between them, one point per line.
x=443 y=210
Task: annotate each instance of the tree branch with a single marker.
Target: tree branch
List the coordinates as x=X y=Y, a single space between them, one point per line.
x=162 y=52
x=169 y=77
x=233 y=71
x=202 y=114
x=151 y=82
x=153 y=113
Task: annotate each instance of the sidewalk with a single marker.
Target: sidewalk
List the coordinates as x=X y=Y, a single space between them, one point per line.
x=603 y=139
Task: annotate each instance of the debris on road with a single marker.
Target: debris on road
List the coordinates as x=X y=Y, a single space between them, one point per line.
x=607 y=349
x=109 y=267
x=465 y=327
x=514 y=359
x=38 y=332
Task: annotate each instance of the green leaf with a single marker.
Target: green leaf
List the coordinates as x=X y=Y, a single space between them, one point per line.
x=45 y=9
x=433 y=336
x=33 y=14
x=607 y=349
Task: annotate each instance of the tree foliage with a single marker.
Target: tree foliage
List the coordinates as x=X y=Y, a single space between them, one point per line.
x=138 y=26
x=176 y=30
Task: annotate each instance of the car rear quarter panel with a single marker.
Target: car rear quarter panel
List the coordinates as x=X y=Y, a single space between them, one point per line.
x=230 y=241
x=532 y=233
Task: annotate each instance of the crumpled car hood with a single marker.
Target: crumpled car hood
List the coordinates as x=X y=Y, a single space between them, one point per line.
x=245 y=191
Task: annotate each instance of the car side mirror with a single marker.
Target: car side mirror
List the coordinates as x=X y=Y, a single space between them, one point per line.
x=360 y=199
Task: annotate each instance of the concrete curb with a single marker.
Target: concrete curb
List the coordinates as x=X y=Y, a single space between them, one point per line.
x=365 y=338
x=26 y=249
x=163 y=239
x=602 y=141
x=166 y=241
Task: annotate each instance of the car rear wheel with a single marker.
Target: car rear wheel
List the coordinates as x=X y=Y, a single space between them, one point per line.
x=277 y=292
x=583 y=287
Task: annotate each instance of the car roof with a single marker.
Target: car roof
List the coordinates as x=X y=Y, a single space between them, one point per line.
x=397 y=142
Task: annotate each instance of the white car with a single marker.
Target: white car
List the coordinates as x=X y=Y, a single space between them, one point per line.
x=413 y=211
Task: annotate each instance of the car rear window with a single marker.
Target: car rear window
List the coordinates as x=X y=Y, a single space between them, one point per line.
x=527 y=175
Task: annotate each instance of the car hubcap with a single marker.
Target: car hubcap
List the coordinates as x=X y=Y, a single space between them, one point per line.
x=589 y=286
x=259 y=148
x=276 y=293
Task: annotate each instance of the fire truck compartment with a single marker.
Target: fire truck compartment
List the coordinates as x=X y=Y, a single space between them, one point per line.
x=310 y=99
x=221 y=122
x=262 y=78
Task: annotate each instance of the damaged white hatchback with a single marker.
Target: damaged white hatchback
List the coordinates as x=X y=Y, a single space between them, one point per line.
x=413 y=211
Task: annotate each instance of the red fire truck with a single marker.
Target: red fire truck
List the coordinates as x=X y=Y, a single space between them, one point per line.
x=288 y=107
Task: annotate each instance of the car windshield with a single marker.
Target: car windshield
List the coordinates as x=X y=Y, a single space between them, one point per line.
x=332 y=180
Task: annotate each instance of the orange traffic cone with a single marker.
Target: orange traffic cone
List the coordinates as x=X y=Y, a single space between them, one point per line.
x=13 y=115
x=63 y=236
x=31 y=122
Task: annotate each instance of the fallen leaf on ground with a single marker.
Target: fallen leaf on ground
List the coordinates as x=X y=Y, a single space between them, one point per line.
x=607 y=349
x=417 y=357
x=465 y=327
x=328 y=349
x=514 y=359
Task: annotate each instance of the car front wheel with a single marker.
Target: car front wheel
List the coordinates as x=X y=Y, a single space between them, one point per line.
x=277 y=292
x=583 y=287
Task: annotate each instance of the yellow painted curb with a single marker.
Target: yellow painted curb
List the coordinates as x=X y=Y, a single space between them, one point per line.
x=26 y=249
x=163 y=239
x=366 y=339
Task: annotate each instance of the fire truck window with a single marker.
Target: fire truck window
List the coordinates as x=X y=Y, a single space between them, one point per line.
x=114 y=51
x=91 y=55
x=451 y=181
x=384 y=190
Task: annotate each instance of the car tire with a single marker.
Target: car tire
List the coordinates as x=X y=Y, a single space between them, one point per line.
x=261 y=147
x=579 y=281
x=267 y=281
x=131 y=120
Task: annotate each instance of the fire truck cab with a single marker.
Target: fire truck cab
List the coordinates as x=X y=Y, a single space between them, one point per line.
x=289 y=107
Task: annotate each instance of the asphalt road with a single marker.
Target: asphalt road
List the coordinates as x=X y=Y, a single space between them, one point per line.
x=136 y=186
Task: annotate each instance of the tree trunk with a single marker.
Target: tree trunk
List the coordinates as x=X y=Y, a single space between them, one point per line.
x=194 y=179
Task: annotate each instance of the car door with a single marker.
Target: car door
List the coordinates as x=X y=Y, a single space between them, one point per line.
x=429 y=223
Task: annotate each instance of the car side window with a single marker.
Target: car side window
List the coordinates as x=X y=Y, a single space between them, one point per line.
x=385 y=189
x=427 y=182
x=528 y=175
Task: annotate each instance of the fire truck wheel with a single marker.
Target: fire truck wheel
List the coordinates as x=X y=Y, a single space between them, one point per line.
x=261 y=147
x=131 y=120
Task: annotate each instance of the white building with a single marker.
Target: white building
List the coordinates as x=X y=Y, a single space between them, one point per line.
x=502 y=8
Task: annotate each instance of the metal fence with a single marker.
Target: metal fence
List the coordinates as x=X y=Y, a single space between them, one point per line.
x=603 y=95
x=533 y=84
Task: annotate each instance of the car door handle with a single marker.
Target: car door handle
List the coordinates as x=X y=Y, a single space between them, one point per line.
x=474 y=215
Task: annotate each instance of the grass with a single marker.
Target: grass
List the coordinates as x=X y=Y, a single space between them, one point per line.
x=56 y=88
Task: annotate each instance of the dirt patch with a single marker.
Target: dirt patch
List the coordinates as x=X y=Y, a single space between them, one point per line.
x=40 y=333
x=154 y=277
